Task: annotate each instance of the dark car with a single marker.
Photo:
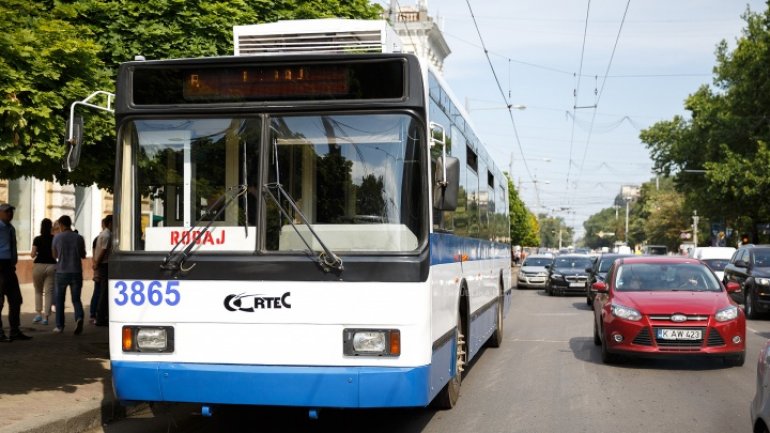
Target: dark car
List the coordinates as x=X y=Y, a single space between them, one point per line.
x=750 y=268
x=655 y=250
x=598 y=272
x=567 y=274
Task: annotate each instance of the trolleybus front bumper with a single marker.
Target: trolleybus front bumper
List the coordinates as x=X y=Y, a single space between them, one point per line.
x=341 y=387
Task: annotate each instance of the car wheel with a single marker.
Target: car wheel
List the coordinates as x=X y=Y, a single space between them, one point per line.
x=736 y=361
x=589 y=301
x=607 y=357
x=751 y=310
x=597 y=340
x=548 y=289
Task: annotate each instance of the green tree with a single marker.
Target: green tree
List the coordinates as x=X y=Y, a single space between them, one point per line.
x=524 y=228
x=723 y=144
x=601 y=229
x=54 y=53
x=47 y=60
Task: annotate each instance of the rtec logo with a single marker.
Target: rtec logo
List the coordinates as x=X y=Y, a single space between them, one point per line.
x=251 y=303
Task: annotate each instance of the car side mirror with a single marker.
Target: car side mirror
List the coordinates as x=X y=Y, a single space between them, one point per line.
x=589 y=269
x=599 y=287
x=741 y=264
x=733 y=287
x=548 y=266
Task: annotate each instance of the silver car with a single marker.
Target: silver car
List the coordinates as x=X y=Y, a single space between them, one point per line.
x=760 y=406
x=533 y=273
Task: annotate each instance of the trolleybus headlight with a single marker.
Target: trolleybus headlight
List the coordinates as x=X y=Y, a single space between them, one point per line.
x=148 y=339
x=371 y=342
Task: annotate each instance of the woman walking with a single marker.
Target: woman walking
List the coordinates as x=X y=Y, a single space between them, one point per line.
x=43 y=271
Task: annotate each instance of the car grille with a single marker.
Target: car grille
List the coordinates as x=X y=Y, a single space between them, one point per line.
x=715 y=339
x=643 y=338
x=576 y=279
x=679 y=344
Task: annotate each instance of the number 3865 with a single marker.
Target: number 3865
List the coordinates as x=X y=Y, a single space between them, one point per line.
x=141 y=292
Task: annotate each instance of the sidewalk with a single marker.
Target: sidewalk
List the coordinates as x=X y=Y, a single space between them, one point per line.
x=55 y=382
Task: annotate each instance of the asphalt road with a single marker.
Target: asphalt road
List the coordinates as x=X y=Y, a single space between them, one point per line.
x=547 y=377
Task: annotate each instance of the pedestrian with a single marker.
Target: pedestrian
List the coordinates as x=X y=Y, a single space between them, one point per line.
x=9 y=282
x=102 y=250
x=69 y=249
x=43 y=271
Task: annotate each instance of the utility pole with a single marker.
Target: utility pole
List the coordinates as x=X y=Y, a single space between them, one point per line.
x=628 y=200
x=695 y=219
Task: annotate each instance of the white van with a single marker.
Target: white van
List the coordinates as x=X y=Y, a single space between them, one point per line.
x=715 y=258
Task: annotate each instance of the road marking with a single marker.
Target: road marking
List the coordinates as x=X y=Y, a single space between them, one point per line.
x=554 y=314
x=538 y=341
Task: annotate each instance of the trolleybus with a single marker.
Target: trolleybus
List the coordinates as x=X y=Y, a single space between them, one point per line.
x=313 y=230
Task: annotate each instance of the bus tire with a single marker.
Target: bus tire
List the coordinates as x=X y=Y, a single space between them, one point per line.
x=496 y=340
x=450 y=393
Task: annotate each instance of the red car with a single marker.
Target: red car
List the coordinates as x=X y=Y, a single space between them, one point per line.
x=658 y=306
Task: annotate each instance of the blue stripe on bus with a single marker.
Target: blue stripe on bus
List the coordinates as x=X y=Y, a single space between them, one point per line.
x=449 y=248
x=341 y=387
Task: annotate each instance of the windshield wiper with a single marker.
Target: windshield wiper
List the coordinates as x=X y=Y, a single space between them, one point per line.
x=175 y=261
x=327 y=259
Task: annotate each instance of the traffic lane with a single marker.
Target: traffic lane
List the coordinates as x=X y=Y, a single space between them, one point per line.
x=554 y=380
x=547 y=377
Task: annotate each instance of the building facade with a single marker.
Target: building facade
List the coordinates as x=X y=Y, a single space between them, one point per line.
x=37 y=199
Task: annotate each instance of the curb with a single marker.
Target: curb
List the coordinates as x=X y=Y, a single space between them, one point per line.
x=79 y=421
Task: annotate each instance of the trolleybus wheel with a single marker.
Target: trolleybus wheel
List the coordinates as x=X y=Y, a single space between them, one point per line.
x=447 y=397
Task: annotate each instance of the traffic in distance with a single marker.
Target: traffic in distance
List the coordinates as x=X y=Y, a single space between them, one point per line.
x=655 y=304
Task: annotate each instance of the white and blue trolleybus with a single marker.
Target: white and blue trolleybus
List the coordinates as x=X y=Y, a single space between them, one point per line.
x=311 y=229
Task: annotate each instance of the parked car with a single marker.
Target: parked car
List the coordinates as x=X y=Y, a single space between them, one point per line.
x=598 y=271
x=534 y=272
x=567 y=274
x=715 y=258
x=659 y=306
x=760 y=406
x=749 y=267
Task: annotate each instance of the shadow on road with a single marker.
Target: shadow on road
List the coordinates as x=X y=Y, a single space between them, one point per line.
x=584 y=349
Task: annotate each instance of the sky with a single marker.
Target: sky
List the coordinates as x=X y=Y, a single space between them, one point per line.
x=625 y=64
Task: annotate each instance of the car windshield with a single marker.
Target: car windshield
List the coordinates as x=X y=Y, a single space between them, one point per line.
x=604 y=265
x=665 y=277
x=537 y=261
x=716 y=264
x=572 y=262
x=762 y=258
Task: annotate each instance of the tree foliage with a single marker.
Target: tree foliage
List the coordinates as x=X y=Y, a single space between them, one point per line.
x=53 y=53
x=524 y=226
x=718 y=157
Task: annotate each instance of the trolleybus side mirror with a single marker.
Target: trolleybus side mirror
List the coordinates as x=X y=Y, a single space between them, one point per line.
x=74 y=142
x=446 y=177
x=445 y=189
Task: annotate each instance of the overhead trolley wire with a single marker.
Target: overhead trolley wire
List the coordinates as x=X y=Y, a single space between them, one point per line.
x=502 y=94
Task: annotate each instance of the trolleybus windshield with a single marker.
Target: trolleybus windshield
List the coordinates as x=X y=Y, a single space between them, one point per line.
x=358 y=179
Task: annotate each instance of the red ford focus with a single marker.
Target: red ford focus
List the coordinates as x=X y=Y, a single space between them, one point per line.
x=657 y=306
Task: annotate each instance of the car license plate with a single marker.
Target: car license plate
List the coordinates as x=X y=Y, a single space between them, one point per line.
x=577 y=284
x=680 y=334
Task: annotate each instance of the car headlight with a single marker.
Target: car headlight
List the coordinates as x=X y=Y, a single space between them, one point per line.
x=762 y=281
x=557 y=276
x=727 y=313
x=626 y=313
x=542 y=274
